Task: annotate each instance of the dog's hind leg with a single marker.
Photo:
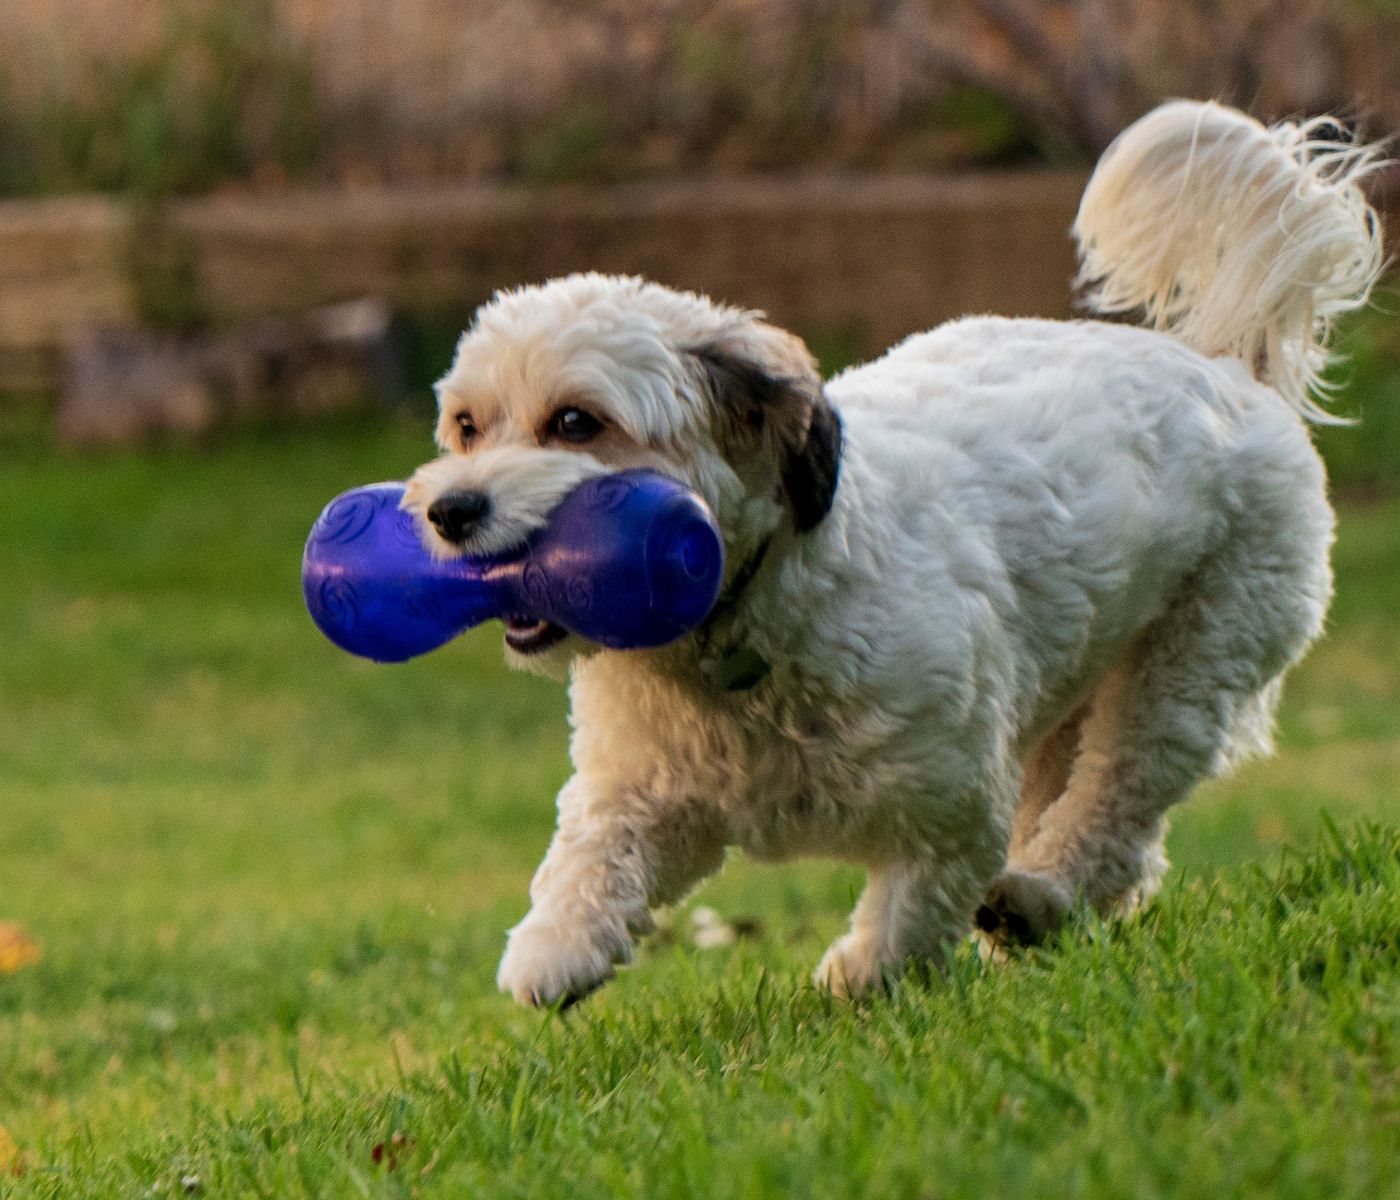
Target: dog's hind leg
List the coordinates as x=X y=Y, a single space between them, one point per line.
x=1045 y=776
x=1196 y=694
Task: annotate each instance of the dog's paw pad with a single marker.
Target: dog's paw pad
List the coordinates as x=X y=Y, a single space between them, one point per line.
x=1022 y=909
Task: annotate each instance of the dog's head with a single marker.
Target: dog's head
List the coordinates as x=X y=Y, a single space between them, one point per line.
x=593 y=374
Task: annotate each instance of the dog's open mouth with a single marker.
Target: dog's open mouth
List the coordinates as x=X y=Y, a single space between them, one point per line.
x=528 y=635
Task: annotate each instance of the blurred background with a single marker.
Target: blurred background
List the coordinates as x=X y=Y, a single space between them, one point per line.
x=269 y=208
x=237 y=242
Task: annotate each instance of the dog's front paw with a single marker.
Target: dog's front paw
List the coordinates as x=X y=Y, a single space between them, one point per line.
x=550 y=962
x=1023 y=908
x=851 y=968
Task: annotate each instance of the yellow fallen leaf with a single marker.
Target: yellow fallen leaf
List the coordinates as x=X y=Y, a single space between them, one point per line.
x=17 y=949
x=11 y=1160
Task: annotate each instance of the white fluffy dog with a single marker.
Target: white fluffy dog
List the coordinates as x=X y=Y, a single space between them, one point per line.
x=993 y=603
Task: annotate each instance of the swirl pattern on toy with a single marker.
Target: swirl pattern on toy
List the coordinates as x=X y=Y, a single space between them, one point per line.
x=628 y=560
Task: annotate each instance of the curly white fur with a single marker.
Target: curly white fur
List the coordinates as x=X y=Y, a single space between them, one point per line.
x=1241 y=240
x=1063 y=571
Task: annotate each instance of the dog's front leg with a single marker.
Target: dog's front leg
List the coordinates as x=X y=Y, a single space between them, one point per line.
x=617 y=853
x=914 y=911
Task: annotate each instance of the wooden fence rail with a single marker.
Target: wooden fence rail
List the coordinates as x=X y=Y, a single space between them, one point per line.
x=872 y=259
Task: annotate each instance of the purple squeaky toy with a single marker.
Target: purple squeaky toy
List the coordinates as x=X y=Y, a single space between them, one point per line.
x=628 y=560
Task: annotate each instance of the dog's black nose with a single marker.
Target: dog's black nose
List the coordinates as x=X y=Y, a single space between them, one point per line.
x=457 y=514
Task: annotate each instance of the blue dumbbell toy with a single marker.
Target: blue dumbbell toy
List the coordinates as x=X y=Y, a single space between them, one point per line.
x=628 y=560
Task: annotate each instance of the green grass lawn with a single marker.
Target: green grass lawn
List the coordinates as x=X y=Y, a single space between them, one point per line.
x=270 y=884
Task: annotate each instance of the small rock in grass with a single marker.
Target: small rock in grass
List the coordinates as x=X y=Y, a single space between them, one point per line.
x=712 y=931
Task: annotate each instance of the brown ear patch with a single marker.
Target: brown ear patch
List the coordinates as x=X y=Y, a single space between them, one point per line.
x=787 y=417
x=811 y=472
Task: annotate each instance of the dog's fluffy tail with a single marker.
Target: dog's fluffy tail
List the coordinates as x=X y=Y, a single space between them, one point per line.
x=1239 y=239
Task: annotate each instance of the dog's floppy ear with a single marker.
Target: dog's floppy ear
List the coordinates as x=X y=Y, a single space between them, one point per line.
x=810 y=472
x=770 y=401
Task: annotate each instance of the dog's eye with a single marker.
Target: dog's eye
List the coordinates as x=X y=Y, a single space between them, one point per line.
x=466 y=427
x=574 y=425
